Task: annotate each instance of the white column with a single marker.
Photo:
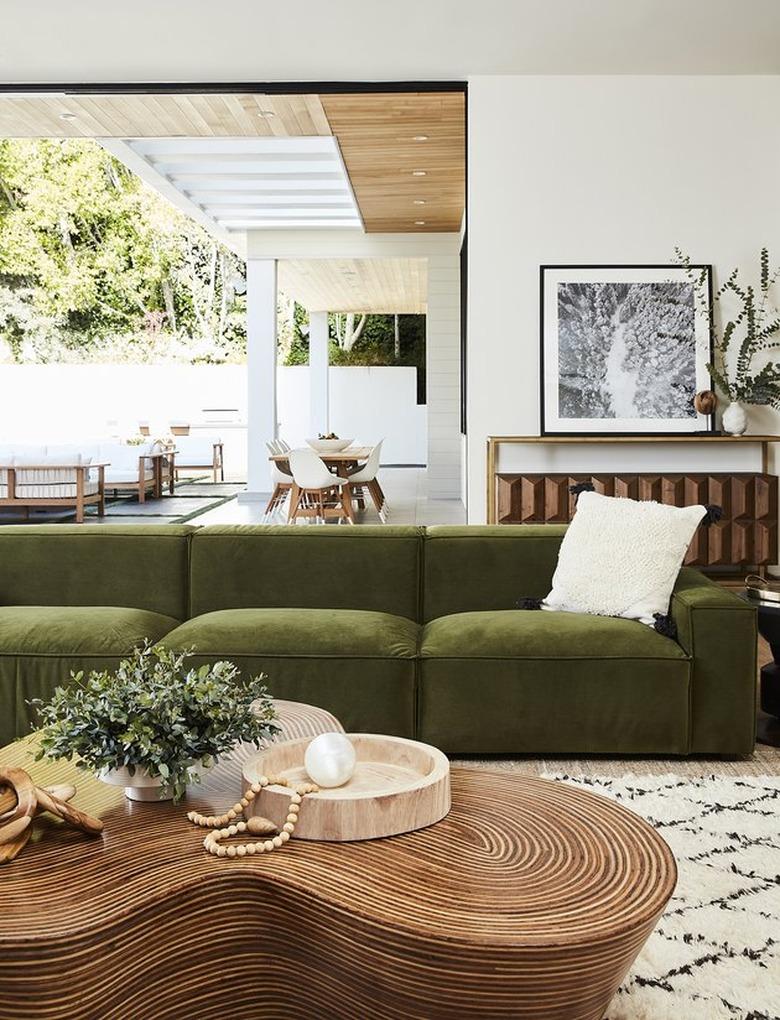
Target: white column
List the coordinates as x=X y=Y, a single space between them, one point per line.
x=261 y=373
x=442 y=360
x=318 y=373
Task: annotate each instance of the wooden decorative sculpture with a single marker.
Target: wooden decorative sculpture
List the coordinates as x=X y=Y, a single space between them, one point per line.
x=21 y=800
x=705 y=402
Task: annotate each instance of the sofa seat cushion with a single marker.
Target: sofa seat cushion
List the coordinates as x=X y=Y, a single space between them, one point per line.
x=78 y=630
x=126 y=476
x=518 y=633
x=41 y=645
x=331 y=633
x=523 y=682
x=358 y=664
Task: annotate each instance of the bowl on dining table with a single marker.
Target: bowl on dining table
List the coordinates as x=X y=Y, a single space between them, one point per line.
x=329 y=445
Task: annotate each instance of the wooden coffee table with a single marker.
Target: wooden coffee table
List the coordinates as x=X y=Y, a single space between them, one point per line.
x=530 y=900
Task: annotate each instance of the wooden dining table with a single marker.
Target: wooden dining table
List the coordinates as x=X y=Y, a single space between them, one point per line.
x=341 y=463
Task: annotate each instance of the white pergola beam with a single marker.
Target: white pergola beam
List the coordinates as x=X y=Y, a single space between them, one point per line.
x=233 y=146
x=269 y=197
x=143 y=169
x=296 y=223
x=263 y=166
x=286 y=200
x=287 y=212
x=276 y=184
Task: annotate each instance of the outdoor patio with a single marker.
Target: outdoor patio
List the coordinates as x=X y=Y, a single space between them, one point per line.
x=199 y=500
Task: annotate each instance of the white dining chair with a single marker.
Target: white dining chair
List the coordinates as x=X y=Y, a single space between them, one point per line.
x=281 y=480
x=367 y=476
x=316 y=492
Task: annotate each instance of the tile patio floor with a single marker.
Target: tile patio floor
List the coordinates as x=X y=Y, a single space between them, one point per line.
x=200 y=501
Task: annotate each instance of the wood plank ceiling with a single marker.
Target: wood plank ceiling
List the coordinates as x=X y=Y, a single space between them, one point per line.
x=401 y=149
x=381 y=286
x=161 y=116
x=404 y=152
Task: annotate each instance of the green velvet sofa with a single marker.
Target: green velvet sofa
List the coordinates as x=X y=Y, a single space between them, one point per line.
x=407 y=631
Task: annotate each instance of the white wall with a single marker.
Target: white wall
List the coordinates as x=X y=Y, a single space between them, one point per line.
x=601 y=170
x=366 y=404
x=40 y=403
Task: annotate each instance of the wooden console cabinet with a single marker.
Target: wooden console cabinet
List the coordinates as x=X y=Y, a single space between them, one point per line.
x=746 y=536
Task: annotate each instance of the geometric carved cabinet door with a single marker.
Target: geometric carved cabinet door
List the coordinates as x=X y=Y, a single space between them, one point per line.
x=746 y=534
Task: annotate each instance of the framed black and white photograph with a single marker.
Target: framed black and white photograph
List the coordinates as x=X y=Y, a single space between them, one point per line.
x=624 y=349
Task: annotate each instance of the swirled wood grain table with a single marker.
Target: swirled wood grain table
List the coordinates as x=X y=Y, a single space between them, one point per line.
x=530 y=900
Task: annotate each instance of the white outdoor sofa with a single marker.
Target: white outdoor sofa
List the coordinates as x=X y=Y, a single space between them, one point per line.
x=77 y=475
x=131 y=468
x=200 y=453
x=53 y=475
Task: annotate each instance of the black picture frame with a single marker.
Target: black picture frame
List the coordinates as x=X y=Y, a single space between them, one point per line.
x=550 y=424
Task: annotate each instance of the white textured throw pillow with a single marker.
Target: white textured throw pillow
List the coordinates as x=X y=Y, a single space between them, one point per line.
x=621 y=557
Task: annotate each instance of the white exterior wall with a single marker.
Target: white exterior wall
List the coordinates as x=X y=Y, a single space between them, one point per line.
x=601 y=170
x=44 y=403
x=366 y=404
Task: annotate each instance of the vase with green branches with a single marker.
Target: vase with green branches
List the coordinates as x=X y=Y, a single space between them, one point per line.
x=753 y=376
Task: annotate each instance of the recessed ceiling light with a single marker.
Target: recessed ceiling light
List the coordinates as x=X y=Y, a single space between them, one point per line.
x=420 y=138
x=419 y=201
x=419 y=173
x=419 y=223
x=266 y=113
x=67 y=116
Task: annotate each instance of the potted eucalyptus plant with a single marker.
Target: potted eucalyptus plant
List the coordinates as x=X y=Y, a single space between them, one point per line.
x=155 y=723
x=752 y=375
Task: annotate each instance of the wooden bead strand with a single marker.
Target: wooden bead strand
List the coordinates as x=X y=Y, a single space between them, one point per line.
x=232 y=823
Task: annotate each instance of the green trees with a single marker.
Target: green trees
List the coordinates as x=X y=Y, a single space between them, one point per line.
x=95 y=265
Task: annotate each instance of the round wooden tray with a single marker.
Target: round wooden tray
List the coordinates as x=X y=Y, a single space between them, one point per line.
x=398 y=785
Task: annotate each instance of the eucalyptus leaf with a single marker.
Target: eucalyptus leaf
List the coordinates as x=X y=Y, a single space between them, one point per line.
x=754 y=328
x=155 y=713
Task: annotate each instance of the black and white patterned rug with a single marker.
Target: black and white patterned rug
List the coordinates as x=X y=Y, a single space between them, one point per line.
x=715 y=954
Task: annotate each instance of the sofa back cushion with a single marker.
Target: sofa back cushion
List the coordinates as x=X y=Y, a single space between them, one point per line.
x=138 y=567
x=338 y=567
x=474 y=568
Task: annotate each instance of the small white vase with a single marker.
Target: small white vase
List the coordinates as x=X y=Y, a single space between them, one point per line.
x=735 y=418
x=140 y=786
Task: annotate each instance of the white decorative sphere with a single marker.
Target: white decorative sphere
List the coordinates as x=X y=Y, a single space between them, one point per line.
x=330 y=759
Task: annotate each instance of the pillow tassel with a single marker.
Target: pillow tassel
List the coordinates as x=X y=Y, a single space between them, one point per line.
x=529 y=602
x=665 y=625
x=713 y=515
x=575 y=490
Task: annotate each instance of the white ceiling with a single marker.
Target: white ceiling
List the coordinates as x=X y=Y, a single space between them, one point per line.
x=244 y=184
x=352 y=40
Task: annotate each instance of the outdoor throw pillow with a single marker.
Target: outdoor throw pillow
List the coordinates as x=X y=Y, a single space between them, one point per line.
x=621 y=557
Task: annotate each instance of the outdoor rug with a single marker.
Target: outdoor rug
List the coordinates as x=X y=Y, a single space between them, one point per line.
x=189 y=500
x=715 y=954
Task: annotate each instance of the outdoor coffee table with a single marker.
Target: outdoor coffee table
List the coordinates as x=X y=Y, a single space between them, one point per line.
x=530 y=900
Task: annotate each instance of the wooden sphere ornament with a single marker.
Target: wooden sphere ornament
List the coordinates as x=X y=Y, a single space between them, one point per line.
x=705 y=402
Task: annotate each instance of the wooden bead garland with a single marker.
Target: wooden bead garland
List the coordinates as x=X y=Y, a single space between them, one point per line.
x=232 y=823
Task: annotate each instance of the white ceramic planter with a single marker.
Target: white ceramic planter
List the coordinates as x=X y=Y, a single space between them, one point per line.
x=140 y=786
x=735 y=419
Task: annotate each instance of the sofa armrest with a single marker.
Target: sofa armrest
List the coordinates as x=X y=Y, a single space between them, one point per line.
x=718 y=630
